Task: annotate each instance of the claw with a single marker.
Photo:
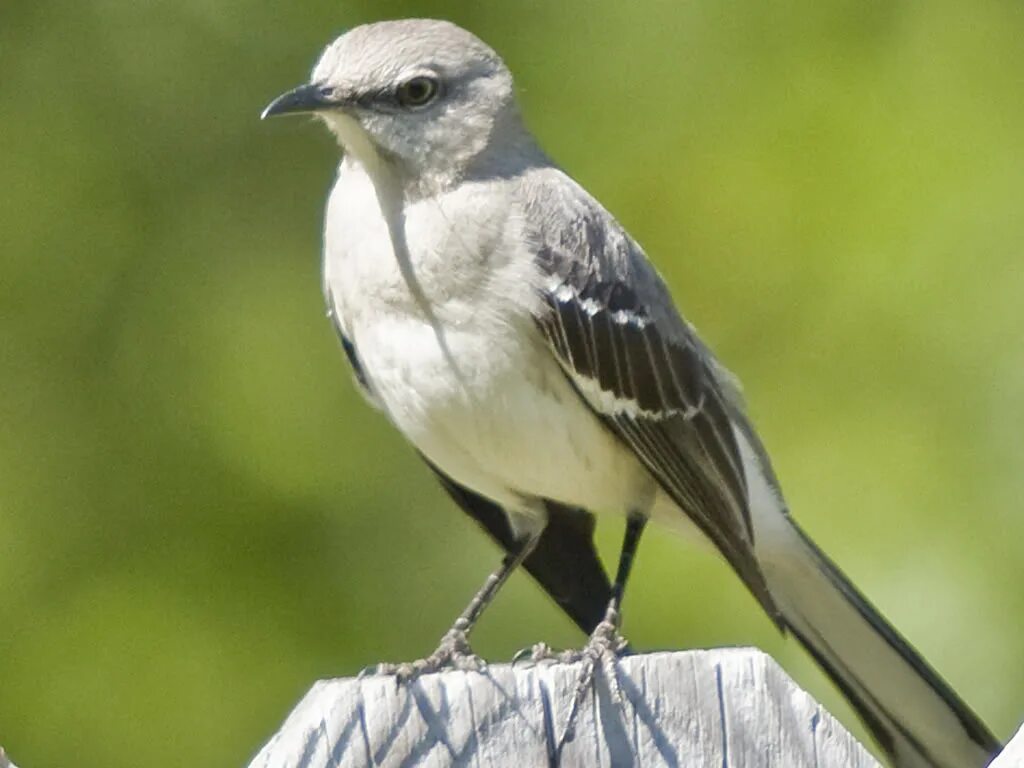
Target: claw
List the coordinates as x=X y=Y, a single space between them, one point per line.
x=541 y=652
x=522 y=654
x=453 y=652
x=370 y=671
x=603 y=648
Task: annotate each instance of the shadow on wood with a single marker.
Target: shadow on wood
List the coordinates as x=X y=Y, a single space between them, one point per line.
x=731 y=708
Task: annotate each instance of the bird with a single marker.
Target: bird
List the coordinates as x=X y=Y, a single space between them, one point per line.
x=519 y=338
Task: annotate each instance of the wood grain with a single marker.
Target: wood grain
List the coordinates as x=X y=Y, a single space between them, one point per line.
x=728 y=708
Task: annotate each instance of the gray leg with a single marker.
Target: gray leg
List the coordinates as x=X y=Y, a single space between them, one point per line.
x=454 y=649
x=468 y=618
x=605 y=642
x=635 y=524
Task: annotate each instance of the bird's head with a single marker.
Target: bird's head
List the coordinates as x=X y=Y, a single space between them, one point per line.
x=424 y=98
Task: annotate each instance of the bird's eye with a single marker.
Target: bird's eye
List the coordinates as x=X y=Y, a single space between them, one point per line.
x=417 y=91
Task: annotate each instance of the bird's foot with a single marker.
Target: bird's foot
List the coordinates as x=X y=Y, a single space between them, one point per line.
x=453 y=652
x=602 y=651
x=541 y=652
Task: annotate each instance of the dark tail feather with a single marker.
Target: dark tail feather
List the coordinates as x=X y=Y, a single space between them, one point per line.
x=916 y=718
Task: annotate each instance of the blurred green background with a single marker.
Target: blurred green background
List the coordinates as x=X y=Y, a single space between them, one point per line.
x=198 y=514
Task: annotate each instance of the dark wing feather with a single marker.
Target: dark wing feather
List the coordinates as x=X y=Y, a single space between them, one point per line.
x=613 y=328
x=350 y=351
x=564 y=562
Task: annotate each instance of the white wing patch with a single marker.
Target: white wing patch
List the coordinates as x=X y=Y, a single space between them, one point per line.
x=605 y=400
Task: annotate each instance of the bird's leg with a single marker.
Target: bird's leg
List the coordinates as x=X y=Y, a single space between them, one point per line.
x=606 y=635
x=606 y=643
x=454 y=650
x=605 y=640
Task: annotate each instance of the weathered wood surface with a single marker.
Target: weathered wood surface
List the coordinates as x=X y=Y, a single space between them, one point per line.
x=729 y=708
x=1012 y=755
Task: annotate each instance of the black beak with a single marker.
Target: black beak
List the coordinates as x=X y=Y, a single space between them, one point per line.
x=305 y=98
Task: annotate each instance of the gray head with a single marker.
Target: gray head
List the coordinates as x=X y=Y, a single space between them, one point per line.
x=424 y=97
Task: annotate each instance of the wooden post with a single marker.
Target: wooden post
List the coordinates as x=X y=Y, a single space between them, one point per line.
x=733 y=708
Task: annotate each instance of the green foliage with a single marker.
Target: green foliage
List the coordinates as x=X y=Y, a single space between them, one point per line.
x=198 y=515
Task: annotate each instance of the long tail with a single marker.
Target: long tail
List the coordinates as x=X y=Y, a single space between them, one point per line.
x=916 y=718
x=912 y=712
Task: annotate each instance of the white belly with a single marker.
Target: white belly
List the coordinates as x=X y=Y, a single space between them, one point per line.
x=497 y=414
x=484 y=399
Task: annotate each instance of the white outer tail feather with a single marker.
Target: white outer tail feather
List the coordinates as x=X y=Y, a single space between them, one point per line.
x=915 y=717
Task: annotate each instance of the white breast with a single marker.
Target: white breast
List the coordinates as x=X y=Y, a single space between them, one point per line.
x=454 y=356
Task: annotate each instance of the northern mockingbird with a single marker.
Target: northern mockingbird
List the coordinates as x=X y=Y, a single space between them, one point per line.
x=518 y=337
